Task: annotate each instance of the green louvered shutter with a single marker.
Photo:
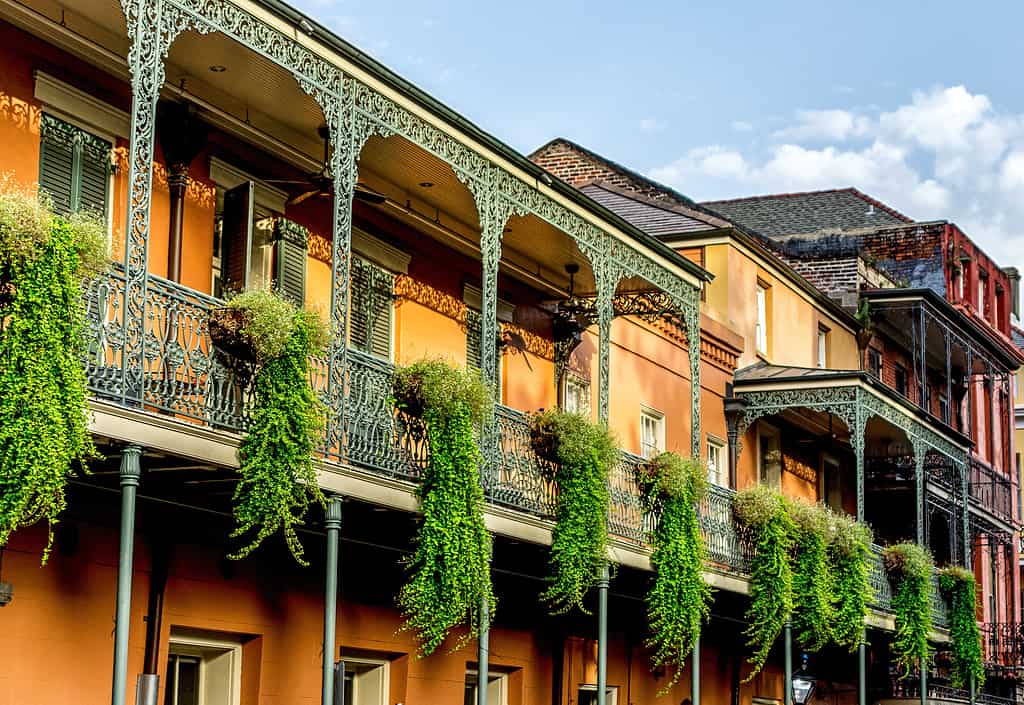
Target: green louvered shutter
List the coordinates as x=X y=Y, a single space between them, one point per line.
x=473 y=333
x=290 y=266
x=74 y=167
x=371 y=308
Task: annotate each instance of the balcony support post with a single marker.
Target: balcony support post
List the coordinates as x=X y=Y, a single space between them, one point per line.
x=695 y=672
x=151 y=32
x=483 y=651
x=965 y=510
x=862 y=669
x=857 y=440
x=131 y=471
x=692 y=315
x=924 y=683
x=607 y=278
x=787 y=663
x=602 y=635
x=332 y=523
x=919 y=480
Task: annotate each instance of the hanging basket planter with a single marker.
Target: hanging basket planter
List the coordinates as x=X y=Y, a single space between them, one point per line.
x=408 y=393
x=226 y=325
x=544 y=441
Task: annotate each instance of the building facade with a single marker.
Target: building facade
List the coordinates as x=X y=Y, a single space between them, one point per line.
x=235 y=143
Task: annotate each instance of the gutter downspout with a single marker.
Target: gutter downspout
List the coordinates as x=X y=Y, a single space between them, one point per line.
x=148 y=687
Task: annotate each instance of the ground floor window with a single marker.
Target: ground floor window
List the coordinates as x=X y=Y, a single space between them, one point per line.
x=203 y=669
x=497 y=687
x=587 y=695
x=361 y=681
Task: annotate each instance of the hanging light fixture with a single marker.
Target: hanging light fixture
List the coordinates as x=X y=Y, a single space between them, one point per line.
x=803 y=683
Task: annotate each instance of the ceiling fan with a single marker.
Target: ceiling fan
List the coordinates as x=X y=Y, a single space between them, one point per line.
x=322 y=181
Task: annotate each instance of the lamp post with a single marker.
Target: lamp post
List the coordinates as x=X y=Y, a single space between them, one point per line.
x=803 y=683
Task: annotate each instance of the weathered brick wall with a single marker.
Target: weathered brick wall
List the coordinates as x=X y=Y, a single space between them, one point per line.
x=911 y=255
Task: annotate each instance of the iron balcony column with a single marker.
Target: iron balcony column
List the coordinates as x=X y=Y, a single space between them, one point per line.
x=787 y=632
x=602 y=635
x=862 y=669
x=695 y=672
x=332 y=523
x=482 y=655
x=131 y=471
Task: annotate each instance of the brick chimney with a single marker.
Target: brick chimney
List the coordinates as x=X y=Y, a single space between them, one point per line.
x=1014 y=276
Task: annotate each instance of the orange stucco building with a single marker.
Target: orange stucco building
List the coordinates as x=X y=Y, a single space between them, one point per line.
x=236 y=143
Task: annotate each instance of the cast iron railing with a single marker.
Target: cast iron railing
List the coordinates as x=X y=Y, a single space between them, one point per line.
x=991 y=490
x=183 y=376
x=1003 y=646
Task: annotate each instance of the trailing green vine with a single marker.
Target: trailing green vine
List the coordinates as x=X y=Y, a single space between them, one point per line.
x=679 y=601
x=910 y=568
x=968 y=661
x=813 y=608
x=586 y=453
x=762 y=512
x=450 y=565
x=44 y=426
x=278 y=481
x=850 y=553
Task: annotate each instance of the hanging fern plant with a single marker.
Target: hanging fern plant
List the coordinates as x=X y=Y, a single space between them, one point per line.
x=910 y=568
x=812 y=575
x=278 y=480
x=44 y=426
x=850 y=553
x=968 y=661
x=762 y=512
x=679 y=601
x=586 y=454
x=450 y=564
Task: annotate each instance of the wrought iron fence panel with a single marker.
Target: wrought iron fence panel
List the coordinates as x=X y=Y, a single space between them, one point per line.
x=626 y=517
x=104 y=330
x=725 y=542
x=522 y=480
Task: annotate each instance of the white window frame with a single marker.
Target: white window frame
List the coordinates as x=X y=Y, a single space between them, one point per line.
x=658 y=418
x=611 y=692
x=713 y=443
x=382 y=670
x=822 y=347
x=761 y=314
x=188 y=643
x=500 y=677
x=579 y=381
x=78 y=108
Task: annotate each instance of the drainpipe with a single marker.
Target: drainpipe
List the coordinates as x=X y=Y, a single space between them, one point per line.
x=332 y=523
x=148 y=686
x=131 y=471
x=695 y=672
x=788 y=663
x=602 y=635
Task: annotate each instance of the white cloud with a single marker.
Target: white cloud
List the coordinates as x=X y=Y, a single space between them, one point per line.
x=825 y=125
x=742 y=126
x=946 y=153
x=651 y=125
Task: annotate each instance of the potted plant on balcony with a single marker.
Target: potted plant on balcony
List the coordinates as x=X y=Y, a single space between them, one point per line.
x=909 y=567
x=585 y=453
x=278 y=481
x=43 y=395
x=679 y=600
x=968 y=668
x=450 y=571
x=761 y=512
x=867 y=330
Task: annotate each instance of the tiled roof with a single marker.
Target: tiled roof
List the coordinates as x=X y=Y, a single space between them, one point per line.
x=811 y=212
x=762 y=371
x=654 y=217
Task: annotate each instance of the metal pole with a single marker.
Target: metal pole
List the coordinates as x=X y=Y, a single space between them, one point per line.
x=924 y=683
x=862 y=670
x=695 y=673
x=482 y=652
x=970 y=684
x=130 y=473
x=602 y=635
x=332 y=522
x=788 y=663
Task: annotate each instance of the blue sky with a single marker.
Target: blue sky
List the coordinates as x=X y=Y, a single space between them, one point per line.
x=920 y=104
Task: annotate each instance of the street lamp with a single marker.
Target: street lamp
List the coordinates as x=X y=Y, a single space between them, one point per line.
x=803 y=684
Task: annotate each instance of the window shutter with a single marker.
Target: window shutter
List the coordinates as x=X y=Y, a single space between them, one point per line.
x=94 y=182
x=371 y=308
x=236 y=237
x=474 y=331
x=74 y=167
x=291 y=243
